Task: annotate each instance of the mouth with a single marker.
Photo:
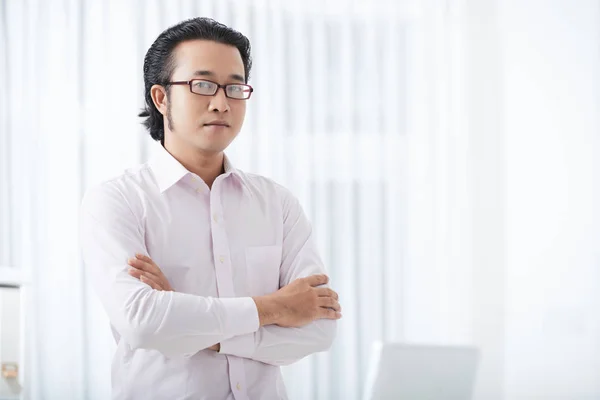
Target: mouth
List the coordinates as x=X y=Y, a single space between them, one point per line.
x=217 y=123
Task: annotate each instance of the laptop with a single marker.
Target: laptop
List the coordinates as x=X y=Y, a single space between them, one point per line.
x=421 y=372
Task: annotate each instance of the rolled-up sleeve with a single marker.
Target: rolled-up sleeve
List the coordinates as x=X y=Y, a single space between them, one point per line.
x=176 y=324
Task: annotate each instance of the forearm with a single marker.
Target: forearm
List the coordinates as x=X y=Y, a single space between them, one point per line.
x=182 y=324
x=280 y=346
x=175 y=324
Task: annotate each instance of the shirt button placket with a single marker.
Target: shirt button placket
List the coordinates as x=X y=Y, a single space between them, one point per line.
x=225 y=286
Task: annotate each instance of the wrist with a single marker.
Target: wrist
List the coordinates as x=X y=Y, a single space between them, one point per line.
x=268 y=310
x=215 y=347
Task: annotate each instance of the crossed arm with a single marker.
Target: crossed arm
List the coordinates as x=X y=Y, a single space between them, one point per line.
x=295 y=305
x=278 y=329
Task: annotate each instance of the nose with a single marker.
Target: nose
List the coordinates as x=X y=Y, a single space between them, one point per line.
x=218 y=102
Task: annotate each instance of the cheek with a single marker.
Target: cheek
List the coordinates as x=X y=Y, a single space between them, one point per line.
x=239 y=112
x=189 y=109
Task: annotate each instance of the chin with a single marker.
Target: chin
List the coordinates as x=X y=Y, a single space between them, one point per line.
x=211 y=147
x=214 y=144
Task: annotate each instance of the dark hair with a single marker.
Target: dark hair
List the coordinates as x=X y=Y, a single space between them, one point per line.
x=159 y=62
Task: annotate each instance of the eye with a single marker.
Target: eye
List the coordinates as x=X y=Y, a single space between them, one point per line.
x=203 y=84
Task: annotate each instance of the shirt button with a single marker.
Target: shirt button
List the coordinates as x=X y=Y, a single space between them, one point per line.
x=238 y=386
x=221 y=259
x=216 y=218
x=199 y=190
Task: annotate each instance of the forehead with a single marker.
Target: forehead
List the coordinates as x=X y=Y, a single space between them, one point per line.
x=222 y=60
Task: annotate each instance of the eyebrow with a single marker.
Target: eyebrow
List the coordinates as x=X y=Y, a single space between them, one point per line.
x=211 y=74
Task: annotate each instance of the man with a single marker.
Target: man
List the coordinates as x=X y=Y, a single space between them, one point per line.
x=210 y=276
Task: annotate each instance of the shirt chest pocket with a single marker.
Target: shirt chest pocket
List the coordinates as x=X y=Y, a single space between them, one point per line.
x=262 y=269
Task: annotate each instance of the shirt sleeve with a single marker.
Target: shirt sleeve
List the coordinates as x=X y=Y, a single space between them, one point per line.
x=277 y=345
x=176 y=324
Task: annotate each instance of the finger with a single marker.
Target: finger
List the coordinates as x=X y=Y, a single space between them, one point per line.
x=143 y=265
x=148 y=261
x=329 y=302
x=137 y=273
x=150 y=283
x=144 y=258
x=328 y=313
x=317 y=280
x=326 y=292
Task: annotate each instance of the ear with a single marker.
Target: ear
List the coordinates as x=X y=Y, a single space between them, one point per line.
x=159 y=98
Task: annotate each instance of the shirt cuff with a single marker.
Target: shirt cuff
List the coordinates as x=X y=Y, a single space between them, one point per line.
x=241 y=316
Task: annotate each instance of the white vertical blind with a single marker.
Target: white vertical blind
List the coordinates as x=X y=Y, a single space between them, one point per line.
x=385 y=118
x=317 y=124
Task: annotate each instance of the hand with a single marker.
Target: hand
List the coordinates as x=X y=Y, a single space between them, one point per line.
x=299 y=303
x=143 y=268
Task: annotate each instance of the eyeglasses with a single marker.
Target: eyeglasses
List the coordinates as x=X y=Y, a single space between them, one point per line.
x=208 y=88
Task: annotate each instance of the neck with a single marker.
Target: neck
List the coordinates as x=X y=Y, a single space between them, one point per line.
x=206 y=165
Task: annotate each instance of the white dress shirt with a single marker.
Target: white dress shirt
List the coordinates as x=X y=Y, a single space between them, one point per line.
x=248 y=236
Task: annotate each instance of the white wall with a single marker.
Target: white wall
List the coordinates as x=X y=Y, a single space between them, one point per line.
x=551 y=101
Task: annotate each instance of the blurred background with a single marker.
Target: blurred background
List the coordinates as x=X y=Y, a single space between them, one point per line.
x=446 y=151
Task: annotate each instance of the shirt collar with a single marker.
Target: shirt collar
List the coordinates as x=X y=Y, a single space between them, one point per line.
x=236 y=173
x=168 y=171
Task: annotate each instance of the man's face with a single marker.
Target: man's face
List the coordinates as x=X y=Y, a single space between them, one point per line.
x=206 y=123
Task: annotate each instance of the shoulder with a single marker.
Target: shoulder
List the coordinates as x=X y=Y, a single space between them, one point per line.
x=268 y=191
x=120 y=193
x=263 y=186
